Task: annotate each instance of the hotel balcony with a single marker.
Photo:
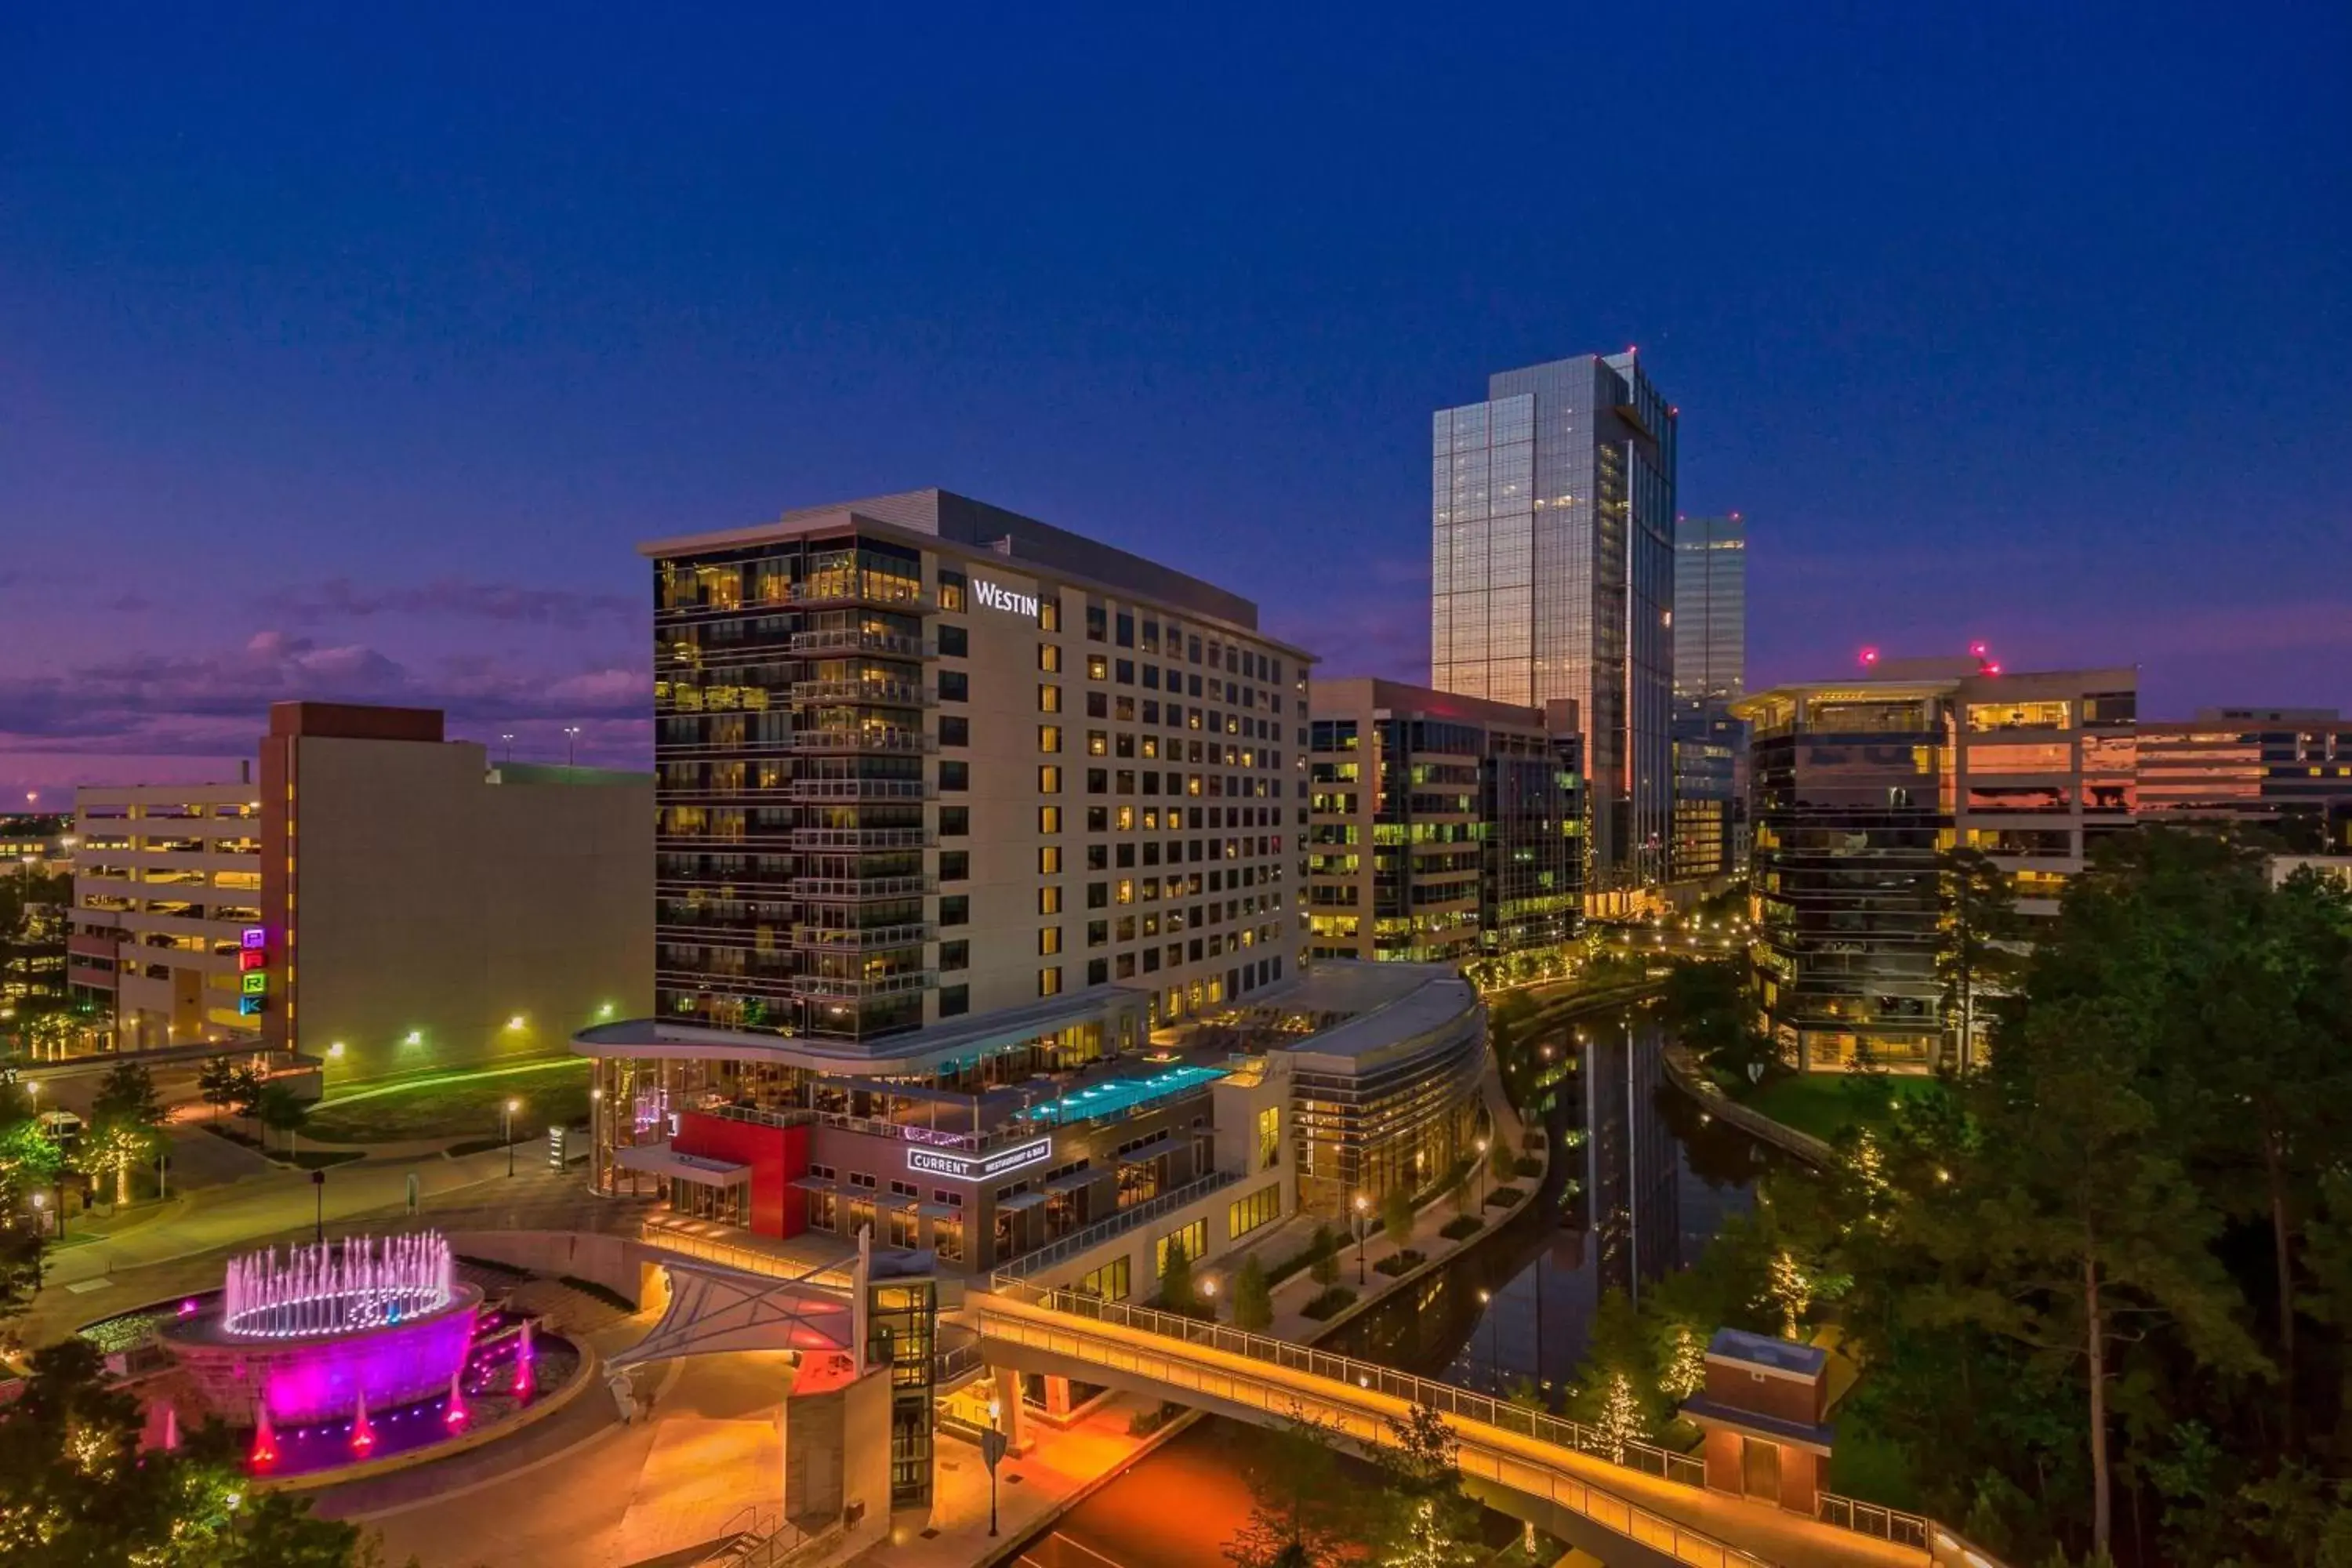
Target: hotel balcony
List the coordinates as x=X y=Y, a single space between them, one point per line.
x=862 y=890
x=858 y=639
x=863 y=741
x=861 y=789
x=845 y=589
x=843 y=988
x=881 y=693
x=863 y=838
x=843 y=939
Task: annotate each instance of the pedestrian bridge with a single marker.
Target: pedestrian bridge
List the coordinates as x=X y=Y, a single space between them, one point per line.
x=1626 y=1504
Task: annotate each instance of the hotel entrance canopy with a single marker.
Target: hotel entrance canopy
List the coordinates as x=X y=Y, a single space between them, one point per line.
x=661 y=1159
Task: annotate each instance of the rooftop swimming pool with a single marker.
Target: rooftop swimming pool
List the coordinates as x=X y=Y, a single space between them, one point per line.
x=1109 y=1098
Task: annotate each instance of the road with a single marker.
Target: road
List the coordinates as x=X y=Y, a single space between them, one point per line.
x=1176 y=1508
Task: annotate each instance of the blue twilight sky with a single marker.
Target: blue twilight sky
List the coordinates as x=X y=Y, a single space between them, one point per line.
x=348 y=351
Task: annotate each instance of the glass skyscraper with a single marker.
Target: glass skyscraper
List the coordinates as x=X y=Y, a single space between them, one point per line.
x=1711 y=608
x=1552 y=524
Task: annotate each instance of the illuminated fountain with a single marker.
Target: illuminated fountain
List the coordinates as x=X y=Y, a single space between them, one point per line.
x=326 y=1331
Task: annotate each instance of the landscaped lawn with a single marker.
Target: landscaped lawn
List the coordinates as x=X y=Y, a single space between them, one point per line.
x=1825 y=1104
x=455 y=1105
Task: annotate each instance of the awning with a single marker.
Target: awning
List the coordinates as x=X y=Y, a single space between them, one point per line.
x=661 y=1159
x=1071 y=1182
x=1148 y=1152
x=895 y=1200
x=1019 y=1201
x=938 y=1211
x=812 y=1183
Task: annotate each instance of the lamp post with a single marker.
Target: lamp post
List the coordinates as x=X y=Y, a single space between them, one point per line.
x=1482 y=1176
x=571 y=743
x=318 y=1192
x=508 y=736
x=1363 y=1205
x=512 y=1106
x=1492 y=1370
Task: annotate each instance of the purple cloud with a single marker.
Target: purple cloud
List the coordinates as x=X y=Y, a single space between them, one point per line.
x=217 y=703
x=453 y=598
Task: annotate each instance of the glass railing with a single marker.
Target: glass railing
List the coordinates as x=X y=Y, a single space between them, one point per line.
x=1089 y=1236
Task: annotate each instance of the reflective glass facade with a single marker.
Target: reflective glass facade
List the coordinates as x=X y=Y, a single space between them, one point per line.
x=1552 y=508
x=1710 y=607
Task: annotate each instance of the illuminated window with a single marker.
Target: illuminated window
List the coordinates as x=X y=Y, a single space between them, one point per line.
x=1049 y=656
x=1049 y=700
x=1245 y=1215
x=1049 y=819
x=1098 y=667
x=1049 y=737
x=1126 y=890
x=1049 y=860
x=1049 y=982
x=1049 y=900
x=1049 y=780
x=1193 y=1238
x=1049 y=941
x=1049 y=615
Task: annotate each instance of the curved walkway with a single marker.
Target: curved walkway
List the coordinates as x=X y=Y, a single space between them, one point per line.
x=1545 y=1465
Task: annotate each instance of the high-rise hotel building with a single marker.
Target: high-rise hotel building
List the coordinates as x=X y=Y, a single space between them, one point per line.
x=1710 y=746
x=1552 y=522
x=920 y=758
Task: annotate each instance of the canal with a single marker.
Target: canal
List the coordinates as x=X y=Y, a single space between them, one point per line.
x=1641 y=1182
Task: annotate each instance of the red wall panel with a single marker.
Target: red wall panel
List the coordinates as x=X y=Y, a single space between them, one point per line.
x=777 y=1155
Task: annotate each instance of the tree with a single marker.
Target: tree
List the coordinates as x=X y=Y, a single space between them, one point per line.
x=1176 y=1292
x=127 y=1094
x=1463 y=1194
x=1789 y=1287
x=1429 y=1523
x=75 y=1487
x=1325 y=1269
x=280 y=1109
x=1396 y=1216
x=112 y=1151
x=1297 y=1510
x=1252 y=1297
x=2086 y=1219
x=1502 y=1160
x=217 y=1084
x=245 y=1092
x=1620 y=1421
x=1683 y=1362
x=1982 y=936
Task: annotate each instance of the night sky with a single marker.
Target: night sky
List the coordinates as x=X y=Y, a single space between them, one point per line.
x=348 y=356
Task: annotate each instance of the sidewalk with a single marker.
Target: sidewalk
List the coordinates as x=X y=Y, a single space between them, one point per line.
x=1290 y=1297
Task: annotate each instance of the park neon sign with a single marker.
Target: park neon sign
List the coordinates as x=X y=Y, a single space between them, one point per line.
x=966 y=1168
x=996 y=596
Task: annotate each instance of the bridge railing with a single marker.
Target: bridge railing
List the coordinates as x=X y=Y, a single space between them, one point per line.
x=1544 y=1427
x=1872 y=1519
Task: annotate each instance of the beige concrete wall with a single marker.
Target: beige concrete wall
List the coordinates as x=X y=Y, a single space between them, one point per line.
x=431 y=900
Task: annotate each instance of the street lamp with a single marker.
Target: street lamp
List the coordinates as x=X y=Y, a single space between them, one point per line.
x=508 y=736
x=571 y=740
x=1363 y=1205
x=1494 y=1369
x=512 y=1106
x=1482 y=1176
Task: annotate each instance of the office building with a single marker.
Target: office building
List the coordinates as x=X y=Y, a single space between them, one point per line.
x=1552 y=520
x=1710 y=605
x=983 y=911
x=1710 y=750
x=1857 y=787
x=422 y=908
x=1440 y=828
x=2286 y=771
x=167 y=883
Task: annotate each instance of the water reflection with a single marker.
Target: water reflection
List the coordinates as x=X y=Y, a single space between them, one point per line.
x=1642 y=1180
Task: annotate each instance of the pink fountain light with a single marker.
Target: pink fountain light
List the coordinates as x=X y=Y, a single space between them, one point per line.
x=337 y=1287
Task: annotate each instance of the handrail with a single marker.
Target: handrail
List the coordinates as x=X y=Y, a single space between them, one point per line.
x=1540 y=1425
x=1017 y=1269
x=1872 y=1519
x=1480 y=1459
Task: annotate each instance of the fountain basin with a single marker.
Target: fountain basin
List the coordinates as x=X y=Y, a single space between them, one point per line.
x=308 y=1378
